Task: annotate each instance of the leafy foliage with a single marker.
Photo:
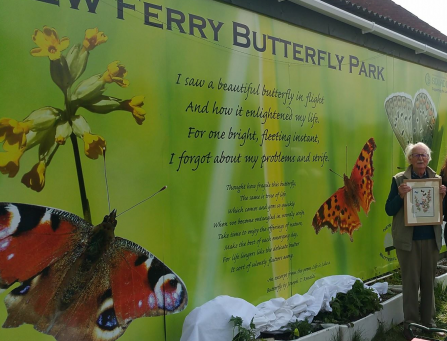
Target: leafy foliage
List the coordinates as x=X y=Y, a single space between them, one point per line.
x=357 y=336
x=441 y=305
x=300 y=328
x=243 y=334
x=395 y=278
x=351 y=306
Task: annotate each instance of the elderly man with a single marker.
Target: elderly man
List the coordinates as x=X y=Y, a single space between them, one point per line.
x=417 y=247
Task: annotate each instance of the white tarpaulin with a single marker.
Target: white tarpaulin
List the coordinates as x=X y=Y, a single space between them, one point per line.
x=211 y=321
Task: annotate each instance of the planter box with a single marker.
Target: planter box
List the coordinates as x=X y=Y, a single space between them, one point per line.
x=323 y=335
x=395 y=287
x=441 y=279
x=392 y=313
x=367 y=327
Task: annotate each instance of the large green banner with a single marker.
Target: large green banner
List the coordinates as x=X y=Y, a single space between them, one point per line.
x=276 y=146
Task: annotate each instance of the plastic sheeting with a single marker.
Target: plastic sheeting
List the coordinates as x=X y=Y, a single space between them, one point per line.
x=211 y=321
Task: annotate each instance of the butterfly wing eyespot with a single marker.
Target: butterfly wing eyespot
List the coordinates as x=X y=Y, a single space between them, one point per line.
x=79 y=312
x=29 y=302
x=142 y=285
x=339 y=212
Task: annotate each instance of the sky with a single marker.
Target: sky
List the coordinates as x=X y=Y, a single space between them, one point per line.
x=433 y=12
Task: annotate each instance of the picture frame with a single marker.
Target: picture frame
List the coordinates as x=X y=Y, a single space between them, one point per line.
x=423 y=204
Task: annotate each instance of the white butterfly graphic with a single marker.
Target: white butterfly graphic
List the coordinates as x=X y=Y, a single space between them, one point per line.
x=412 y=120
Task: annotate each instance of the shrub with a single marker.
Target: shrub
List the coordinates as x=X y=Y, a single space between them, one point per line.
x=351 y=306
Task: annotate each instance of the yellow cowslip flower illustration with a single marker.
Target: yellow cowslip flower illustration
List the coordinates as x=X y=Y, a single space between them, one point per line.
x=48 y=128
x=35 y=178
x=93 y=38
x=12 y=133
x=116 y=73
x=49 y=44
x=135 y=107
x=63 y=132
x=94 y=145
x=9 y=161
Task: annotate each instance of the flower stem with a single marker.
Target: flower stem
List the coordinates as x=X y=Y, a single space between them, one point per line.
x=84 y=200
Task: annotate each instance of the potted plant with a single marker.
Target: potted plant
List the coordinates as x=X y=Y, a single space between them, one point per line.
x=298 y=330
x=293 y=330
x=441 y=272
x=240 y=333
x=357 y=310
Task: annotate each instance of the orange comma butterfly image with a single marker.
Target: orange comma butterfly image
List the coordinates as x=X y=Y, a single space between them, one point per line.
x=340 y=210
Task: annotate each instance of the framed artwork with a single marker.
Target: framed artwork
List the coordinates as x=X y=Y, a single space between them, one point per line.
x=423 y=204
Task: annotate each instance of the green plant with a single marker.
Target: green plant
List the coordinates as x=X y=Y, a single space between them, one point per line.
x=441 y=305
x=299 y=328
x=393 y=334
x=50 y=127
x=358 y=302
x=381 y=332
x=357 y=336
x=395 y=278
x=243 y=334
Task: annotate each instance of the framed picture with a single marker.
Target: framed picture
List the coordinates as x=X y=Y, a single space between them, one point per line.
x=423 y=204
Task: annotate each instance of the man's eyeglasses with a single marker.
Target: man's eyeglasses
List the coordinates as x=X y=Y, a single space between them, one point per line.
x=417 y=156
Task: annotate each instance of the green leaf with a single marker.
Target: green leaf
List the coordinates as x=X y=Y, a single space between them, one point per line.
x=237 y=321
x=358 y=302
x=252 y=325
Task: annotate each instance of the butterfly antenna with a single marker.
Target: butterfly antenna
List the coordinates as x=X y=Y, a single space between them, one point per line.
x=105 y=176
x=346 y=171
x=335 y=173
x=162 y=189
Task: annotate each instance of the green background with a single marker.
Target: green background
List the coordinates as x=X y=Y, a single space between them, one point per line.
x=178 y=224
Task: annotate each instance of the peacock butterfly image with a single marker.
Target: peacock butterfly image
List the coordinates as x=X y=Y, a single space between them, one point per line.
x=340 y=210
x=79 y=281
